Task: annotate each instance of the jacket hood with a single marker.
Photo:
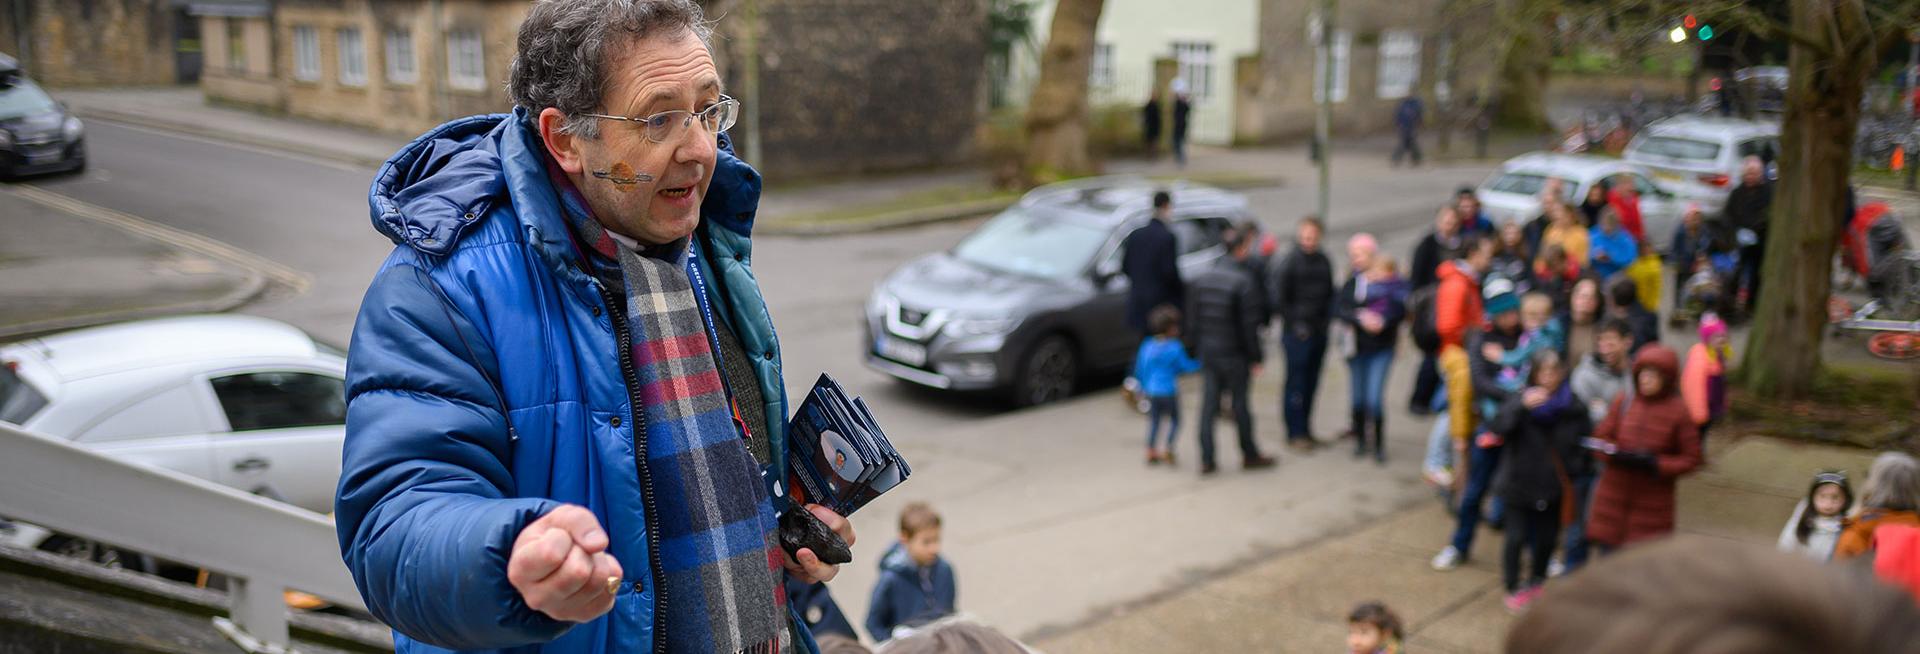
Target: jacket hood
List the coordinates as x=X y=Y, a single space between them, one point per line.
x=1458 y=268
x=430 y=192
x=896 y=559
x=1662 y=359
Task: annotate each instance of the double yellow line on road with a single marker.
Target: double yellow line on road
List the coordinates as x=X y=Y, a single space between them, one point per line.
x=278 y=273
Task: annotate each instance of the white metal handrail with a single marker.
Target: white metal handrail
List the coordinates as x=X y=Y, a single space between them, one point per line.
x=264 y=546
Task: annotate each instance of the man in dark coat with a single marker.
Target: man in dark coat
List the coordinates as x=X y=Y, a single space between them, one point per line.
x=1406 y=119
x=1151 y=263
x=1224 y=331
x=1150 y=124
x=1182 y=107
x=1440 y=246
x=1747 y=209
x=1303 y=297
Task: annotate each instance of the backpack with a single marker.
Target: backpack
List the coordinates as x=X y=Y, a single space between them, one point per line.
x=1423 y=321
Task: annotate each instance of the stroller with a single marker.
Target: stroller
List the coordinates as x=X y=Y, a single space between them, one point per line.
x=1710 y=287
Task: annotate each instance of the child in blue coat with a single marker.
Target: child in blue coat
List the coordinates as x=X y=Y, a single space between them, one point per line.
x=916 y=586
x=1159 y=364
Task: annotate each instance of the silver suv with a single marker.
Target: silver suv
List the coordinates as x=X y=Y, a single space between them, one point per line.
x=1699 y=158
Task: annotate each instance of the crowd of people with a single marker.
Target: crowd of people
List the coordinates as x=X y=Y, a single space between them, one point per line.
x=1561 y=418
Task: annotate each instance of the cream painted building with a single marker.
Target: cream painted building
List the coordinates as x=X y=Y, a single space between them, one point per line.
x=1205 y=38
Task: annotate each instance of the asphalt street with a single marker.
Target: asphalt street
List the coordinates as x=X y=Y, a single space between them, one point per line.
x=1052 y=518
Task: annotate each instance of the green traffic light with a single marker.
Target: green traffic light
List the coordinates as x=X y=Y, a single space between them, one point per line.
x=1706 y=32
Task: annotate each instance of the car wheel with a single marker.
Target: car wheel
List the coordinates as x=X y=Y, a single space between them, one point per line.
x=103 y=555
x=1048 y=373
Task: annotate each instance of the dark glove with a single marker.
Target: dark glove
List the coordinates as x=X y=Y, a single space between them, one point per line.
x=1636 y=461
x=800 y=528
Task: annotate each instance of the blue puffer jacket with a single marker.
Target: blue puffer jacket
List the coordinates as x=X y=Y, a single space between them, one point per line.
x=482 y=305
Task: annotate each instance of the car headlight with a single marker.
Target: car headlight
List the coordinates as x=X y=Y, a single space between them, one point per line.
x=964 y=327
x=70 y=131
x=6 y=138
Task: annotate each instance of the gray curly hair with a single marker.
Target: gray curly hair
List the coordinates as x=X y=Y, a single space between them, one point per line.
x=563 y=50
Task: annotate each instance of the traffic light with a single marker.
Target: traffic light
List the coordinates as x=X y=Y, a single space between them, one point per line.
x=1678 y=34
x=1706 y=32
x=1690 y=22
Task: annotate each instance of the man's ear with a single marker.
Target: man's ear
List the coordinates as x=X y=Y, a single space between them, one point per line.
x=563 y=147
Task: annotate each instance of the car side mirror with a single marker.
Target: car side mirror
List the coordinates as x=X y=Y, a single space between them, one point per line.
x=1104 y=274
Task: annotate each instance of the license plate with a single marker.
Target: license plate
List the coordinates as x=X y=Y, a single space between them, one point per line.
x=912 y=354
x=37 y=158
x=1671 y=177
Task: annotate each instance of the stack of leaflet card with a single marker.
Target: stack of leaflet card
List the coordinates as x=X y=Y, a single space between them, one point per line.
x=837 y=456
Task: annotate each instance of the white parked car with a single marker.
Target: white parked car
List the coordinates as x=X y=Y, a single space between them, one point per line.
x=1700 y=157
x=247 y=402
x=1513 y=193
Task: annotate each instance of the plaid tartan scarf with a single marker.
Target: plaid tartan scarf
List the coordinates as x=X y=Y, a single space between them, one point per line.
x=722 y=590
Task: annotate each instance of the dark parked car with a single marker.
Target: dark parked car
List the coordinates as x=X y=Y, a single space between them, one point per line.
x=1032 y=303
x=37 y=135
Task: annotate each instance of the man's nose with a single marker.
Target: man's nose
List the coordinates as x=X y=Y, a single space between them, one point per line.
x=696 y=144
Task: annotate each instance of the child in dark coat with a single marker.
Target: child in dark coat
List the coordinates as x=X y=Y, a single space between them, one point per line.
x=916 y=586
x=1651 y=442
x=1541 y=426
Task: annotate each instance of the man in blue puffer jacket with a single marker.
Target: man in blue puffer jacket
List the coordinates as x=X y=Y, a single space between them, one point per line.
x=566 y=417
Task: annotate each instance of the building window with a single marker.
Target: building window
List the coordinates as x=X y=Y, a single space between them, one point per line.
x=400 y=66
x=466 y=63
x=1342 y=44
x=1443 y=70
x=1399 y=64
x=306 y=53
x=1101 y=75
x=1195 y=59
x=353 y=56
x=236 y=45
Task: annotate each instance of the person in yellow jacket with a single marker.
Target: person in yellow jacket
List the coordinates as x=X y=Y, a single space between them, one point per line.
x=1647 y=273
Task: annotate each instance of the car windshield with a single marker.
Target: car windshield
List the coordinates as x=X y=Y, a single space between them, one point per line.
x=18 y=400
x=1530 y=184
x=1022 y=242
x=1679 y=148
x=23 y=99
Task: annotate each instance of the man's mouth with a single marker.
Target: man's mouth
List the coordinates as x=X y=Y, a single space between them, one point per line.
x=676 y=193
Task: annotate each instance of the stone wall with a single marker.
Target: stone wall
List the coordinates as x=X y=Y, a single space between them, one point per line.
x=91 y=42
x=861 y=85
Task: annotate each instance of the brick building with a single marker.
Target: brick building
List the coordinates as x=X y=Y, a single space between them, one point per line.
x=847 y=85
x=395 y=65
x=1383 y=51
x=97 y=42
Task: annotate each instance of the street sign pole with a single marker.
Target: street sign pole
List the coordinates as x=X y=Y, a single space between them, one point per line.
x=1323 y=120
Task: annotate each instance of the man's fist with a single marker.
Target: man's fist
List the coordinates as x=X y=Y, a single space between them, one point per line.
x=561 y=566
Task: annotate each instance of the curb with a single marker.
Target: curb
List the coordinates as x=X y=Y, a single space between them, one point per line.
x=259 y=274
x=304 y=149
x=949 y=213
x=252 y=286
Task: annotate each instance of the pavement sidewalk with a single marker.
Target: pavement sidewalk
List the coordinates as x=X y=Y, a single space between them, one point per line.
x=60 y=269
x=1297 y=601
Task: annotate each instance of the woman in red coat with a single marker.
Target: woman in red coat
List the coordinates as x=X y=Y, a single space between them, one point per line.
x=1654 y=442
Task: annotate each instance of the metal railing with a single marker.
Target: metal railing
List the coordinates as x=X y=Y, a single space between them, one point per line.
x=264 y=547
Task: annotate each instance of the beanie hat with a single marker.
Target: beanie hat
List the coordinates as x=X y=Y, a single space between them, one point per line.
x=1500 y=297
x=1711 y=326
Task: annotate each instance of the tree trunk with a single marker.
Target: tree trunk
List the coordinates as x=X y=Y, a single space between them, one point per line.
x=1523 y=84
x=1816 y=158
x=1057 y=112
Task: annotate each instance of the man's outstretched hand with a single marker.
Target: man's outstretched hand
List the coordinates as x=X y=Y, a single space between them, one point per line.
x=561 y=566
x=808 y=568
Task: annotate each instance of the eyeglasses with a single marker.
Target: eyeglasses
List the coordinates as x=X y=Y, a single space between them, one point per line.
x=666 y=125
